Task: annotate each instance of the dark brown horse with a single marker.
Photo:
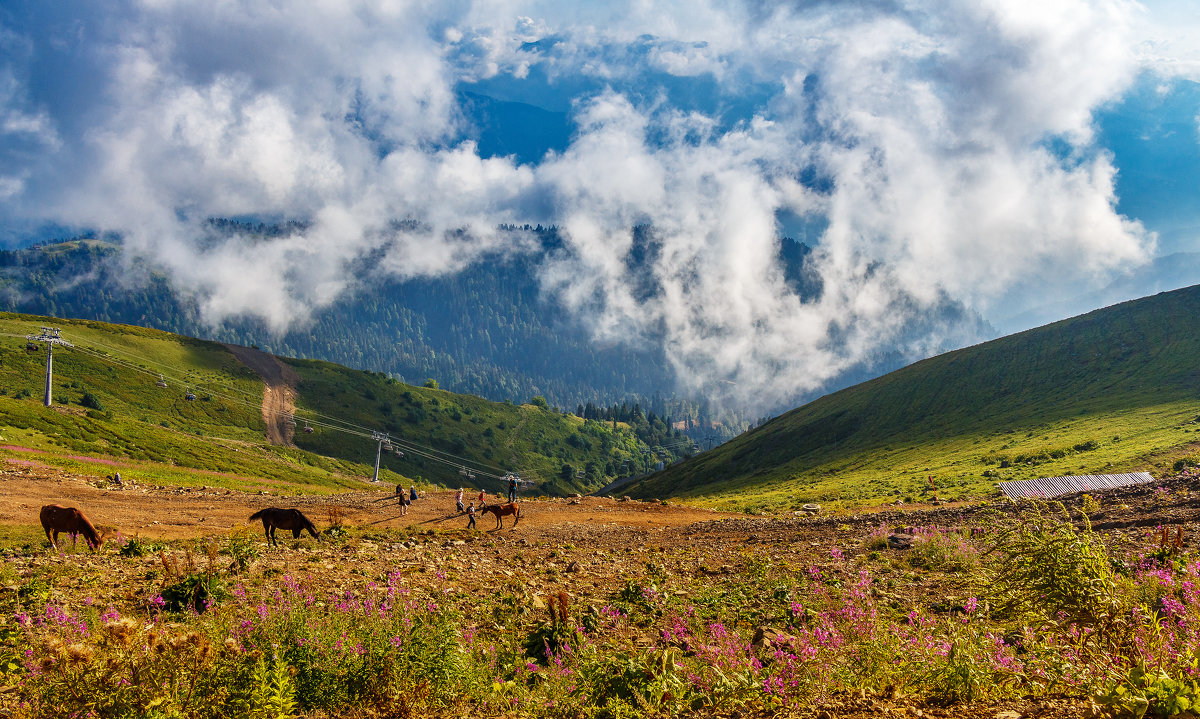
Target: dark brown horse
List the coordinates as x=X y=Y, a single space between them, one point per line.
x=503 y=510
x=57 y=518
x=293 y=519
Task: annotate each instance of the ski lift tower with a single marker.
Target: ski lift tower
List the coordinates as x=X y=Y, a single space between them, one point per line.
x=382 y=440
x=50 y=337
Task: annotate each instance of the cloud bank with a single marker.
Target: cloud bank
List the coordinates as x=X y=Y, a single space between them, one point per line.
x=944 y=147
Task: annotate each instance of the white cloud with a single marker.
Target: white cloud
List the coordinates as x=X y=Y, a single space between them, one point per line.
x=949 y=142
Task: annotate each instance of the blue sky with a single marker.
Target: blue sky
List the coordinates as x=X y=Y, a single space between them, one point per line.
x=1009 y=159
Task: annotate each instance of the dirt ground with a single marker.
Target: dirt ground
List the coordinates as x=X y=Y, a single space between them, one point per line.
x=180 y=513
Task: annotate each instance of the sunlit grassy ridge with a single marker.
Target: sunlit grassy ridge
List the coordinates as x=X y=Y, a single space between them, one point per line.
x=155 y=435
x=532 y=440
x=1115 y=390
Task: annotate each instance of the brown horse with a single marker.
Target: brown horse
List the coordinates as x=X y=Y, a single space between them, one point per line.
x=503 y=510
x=57 y=518
x=293 y=519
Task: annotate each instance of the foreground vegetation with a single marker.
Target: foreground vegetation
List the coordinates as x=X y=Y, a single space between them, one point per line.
x=1045 y=608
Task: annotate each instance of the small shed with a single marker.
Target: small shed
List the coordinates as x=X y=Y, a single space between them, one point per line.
x=1058 y=486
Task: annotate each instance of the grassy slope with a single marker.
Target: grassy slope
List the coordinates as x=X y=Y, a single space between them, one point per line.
x=1114 y=390
x=153 y=435
x=497 y=436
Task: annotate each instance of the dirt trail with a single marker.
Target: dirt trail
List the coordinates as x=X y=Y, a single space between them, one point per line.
x=279 y=392
x=175 y=513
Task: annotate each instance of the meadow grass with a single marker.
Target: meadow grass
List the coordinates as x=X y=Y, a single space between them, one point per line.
x=1115 y=629
x=969 y=466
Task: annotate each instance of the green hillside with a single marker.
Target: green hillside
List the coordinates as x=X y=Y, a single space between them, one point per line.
x=110 y=412
x=1114 y=390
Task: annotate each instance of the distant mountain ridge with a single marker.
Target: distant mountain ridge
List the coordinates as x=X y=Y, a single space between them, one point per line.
x=487 y=330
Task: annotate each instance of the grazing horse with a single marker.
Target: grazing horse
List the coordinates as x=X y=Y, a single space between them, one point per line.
x=57 y=518
x=503 y=510
x=293 y=519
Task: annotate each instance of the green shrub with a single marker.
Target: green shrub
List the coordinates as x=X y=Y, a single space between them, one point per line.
x=197 y=592
x=943 y=551
x=1054 y=575
x=137 y=547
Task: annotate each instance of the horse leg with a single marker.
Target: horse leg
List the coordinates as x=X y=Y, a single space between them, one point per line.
x=516 y=518
x=296 y=533
x=267 y=531
x=54 y=539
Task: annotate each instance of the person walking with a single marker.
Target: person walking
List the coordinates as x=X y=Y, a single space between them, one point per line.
x=471 y=514
x=482 y=498
x=512 y=488
x=413 y=491
x=458 y=500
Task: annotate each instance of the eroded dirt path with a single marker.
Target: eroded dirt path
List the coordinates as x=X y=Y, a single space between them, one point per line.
x=279 y=392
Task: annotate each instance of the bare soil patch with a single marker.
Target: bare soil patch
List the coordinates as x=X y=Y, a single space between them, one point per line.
x=279 y=392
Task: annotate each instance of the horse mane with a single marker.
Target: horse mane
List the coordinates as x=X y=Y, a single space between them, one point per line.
x=307 y=522
x=89 y=532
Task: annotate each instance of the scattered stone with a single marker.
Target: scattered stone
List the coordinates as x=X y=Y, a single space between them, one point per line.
x=899 y=541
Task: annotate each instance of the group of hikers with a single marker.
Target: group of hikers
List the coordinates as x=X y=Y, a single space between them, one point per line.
x=406 y=500
x=482 y=499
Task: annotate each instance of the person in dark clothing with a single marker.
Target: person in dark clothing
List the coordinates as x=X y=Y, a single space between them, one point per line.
x=512 y=488
x=471 y=514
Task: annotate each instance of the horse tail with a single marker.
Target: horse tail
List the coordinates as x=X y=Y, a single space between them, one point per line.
x=256 y=515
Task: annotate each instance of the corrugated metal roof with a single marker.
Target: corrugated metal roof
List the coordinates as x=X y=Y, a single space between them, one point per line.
x=1058 y=486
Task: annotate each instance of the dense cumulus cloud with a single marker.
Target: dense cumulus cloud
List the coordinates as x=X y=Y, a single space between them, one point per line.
x=943 y=150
